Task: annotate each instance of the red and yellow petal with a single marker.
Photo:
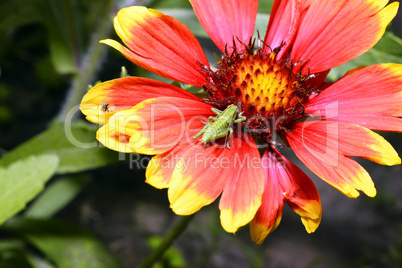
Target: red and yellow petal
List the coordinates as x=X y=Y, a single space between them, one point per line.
x=160 y=168
x=114 y=134
x=285 y=182
x=335 y=31
x=159 y=43
x=204 y=172
x=105 y=99
x=227 y=21
x=154 y=126
x=269 y=214
x=283 y=24
x=369 y=96
x=299 y=191
x=198 y=179
x=243 y=191
x=324 y=145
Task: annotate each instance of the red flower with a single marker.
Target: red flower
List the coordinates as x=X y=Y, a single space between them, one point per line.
x=278 y=86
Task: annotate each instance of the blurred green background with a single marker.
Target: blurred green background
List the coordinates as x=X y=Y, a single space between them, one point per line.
x=95 y=210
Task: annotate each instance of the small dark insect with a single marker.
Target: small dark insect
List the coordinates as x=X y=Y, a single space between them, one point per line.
x=105 y=107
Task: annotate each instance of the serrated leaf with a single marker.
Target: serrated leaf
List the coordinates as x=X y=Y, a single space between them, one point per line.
x=63 y=243
x=56 y=196
x=75 y=145
x=22 y=181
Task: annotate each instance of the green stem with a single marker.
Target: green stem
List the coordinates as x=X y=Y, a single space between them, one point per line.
x=169 y=239
x=90 y=64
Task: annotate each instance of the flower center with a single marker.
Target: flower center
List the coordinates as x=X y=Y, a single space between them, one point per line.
x=268 y=91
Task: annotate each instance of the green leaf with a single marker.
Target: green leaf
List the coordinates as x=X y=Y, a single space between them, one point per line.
x=391 y=44
x=265 y=6
x=159 y=4
x=387 y=50
x=75 y=145
x=63 y=243
x=22 y=181
x=56 y=196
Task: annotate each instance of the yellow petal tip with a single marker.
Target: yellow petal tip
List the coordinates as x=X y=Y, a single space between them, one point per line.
x=188 y=202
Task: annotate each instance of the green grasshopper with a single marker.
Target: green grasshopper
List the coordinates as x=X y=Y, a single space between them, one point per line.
x=220 y=126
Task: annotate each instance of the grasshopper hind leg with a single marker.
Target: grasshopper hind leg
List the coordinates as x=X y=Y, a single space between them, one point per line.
x=207 y=124
x=227 y=139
